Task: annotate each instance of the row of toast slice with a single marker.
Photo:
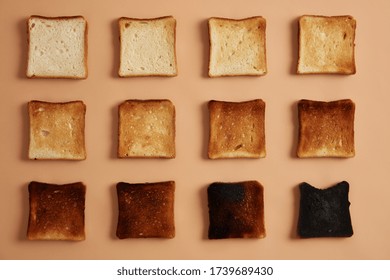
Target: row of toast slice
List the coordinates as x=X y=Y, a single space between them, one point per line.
x=146 y=210
x=147 y=129
x=58 y=46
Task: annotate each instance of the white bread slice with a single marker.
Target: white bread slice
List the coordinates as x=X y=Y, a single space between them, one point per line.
x=147 y=47
x=326 y=45
x=57 y=47
x=57 y=130
x=237 y=47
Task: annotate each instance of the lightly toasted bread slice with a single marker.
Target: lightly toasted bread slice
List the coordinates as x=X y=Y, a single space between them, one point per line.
x=146 y=129
x=326 y=45
x=147 y=47
x=237 y=47
x=57 y=47
x=57 y=130
x=56 y=211
x=326 y=129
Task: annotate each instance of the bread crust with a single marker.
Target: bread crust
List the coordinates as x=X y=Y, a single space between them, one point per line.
x=56 y=211
x=146 y=129
x=259 y=62
x=326 y=129
x=237 y=129
x=236 y=210
x=146 y=210
x=57 y=130
x=59 y=18
x=169 y=21
x=315 y=55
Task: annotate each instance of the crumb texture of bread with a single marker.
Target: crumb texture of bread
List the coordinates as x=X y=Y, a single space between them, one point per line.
x=146 y=129
x=57 y=130
x=326 y=45
x=237 y=129
x=147 y=47
x=237 y=47
x=56 y=211
x=146 y=210
x=57 y=47
x=324 y=212
x=236 y=210
x=326 y=129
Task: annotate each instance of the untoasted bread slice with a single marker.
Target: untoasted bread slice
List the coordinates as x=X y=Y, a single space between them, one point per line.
x=146 y=210
x=147 y=47
x=237 y=129
x=56 y=211
x=324 y=212
x=326 y=45
x=146 y=129
x=57 y=130
x=237 y=47
x=57 y=47
x=326 y=129
x=236 y=210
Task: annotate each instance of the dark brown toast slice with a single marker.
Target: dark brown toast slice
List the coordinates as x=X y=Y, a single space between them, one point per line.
x=56 y=211
x=146 y=210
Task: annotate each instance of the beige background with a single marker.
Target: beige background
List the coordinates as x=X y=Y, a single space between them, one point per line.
x=280 y=172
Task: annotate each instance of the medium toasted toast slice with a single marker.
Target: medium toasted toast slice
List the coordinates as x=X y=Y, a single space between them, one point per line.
x=147 y=47
x=57 y=47
x=326 y=129
x=56 y=211
x=237 y=129
x=324 y=212
x=146 y=210
x=146 y=129
x=236 y=210
x=57 y=130
x=237 y=47
x=326 y=45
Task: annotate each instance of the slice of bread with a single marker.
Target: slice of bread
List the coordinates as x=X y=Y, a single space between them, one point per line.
x=237 y=47
x=236 y=210
x=57 y=47
x=146 y=129
x=324 y=212
x=326 y=129
x=146 y=210
x=326 y=45
x=147 y=47
x=57 y=130
x=56 y=211
x=237 y=129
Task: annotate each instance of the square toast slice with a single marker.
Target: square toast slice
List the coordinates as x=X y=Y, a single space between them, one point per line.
x=147 y=47
x=56 y=211
x=57 y=130
x=236 y=210
x=146 y=210
x=326 y=129
x=57 y=47
x=237 y=47
x=324 y=212
x=146 y=129
x=326 y=45
x=237 y=129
